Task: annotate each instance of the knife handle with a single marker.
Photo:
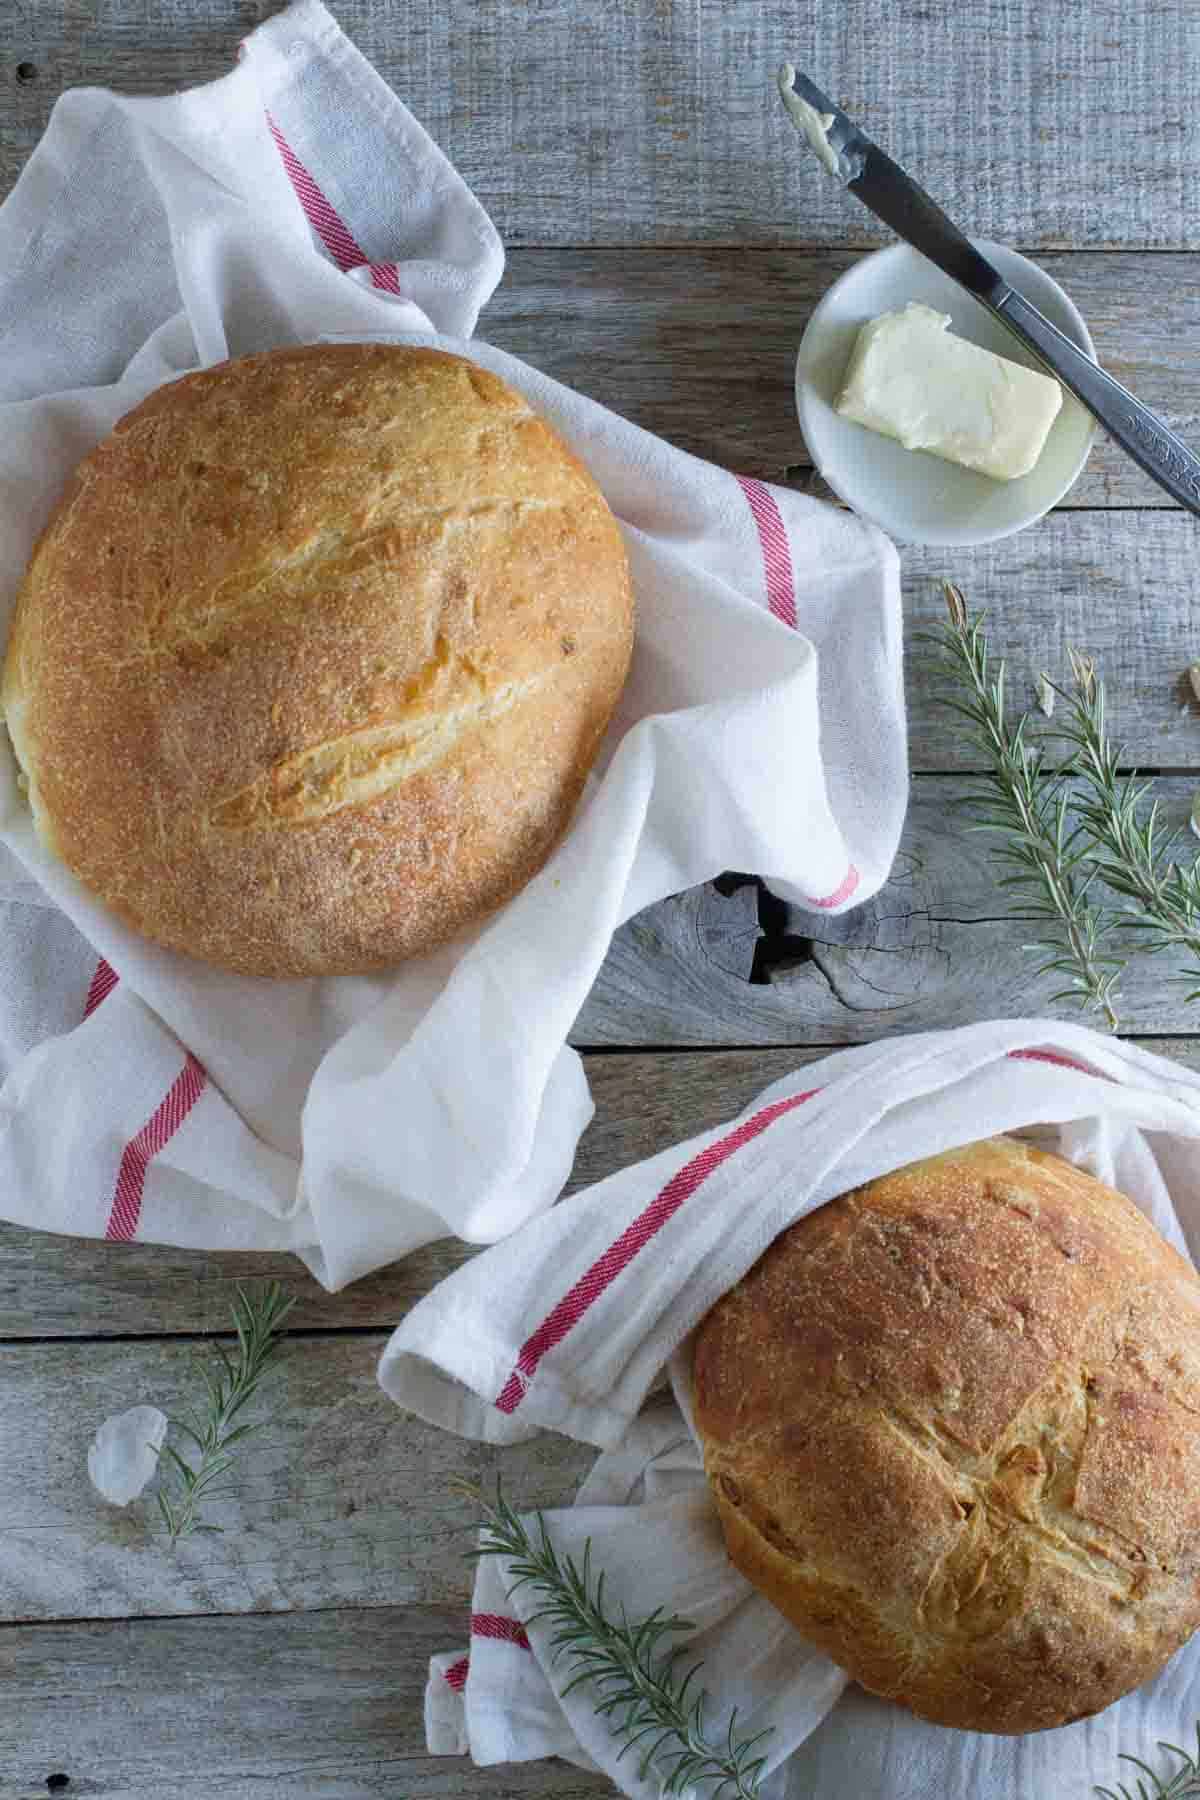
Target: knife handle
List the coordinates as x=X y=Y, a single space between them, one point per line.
x=1153 y=445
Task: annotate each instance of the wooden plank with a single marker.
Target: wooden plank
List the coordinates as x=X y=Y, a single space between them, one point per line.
x=54 y=1287
x=343 y=1501
x=1119 y=586
x=699 y=345
x=314 y=1706
x=656 y=121
x=60 y=1287
x=936 y=947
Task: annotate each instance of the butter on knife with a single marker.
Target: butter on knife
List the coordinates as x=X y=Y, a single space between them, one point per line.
x=911 y=379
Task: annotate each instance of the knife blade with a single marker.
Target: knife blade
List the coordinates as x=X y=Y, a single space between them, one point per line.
x=893 y=196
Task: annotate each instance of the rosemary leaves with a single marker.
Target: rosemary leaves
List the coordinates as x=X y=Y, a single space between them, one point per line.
x=631 y=1666
x=636 y=1686
x=1125 y=838
x=1084 y=847
x=230 y=1385
x=1183 y=1782
x=1023 y=805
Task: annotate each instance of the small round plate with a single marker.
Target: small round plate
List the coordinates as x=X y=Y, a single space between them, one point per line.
x=914 y=496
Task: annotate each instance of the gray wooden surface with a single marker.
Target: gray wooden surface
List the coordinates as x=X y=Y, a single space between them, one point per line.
x=654 y=204
x=653 y=121
x=318 y=1705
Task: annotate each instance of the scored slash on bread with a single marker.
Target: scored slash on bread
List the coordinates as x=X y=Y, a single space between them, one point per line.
x=308 y=669
x=952 y=1425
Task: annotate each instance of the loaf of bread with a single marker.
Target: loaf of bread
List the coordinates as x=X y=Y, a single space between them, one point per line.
x=952 y=1426
x=310 y=665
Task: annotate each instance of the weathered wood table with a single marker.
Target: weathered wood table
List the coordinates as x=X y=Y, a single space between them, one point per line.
x=667 y=240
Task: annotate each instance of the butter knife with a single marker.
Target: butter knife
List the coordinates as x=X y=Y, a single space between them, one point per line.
x=862 y=167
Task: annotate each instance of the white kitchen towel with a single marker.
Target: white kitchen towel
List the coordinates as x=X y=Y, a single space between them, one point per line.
x=762 y=726
x=572 y=1321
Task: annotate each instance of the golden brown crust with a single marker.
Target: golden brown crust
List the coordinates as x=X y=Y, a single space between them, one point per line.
x=952 y=1423
x=308 y=669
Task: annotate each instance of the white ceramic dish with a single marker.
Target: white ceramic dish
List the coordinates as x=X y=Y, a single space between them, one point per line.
x=916 y=497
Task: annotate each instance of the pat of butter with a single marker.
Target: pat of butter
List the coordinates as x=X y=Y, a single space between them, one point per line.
x=911 y=379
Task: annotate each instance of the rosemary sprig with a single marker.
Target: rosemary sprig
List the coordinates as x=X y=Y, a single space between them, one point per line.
x=642 y=1696
x=1025 y=806
x=1182 y=1785
x=1125 y=841
x=230 y=1386
x=630 y=1664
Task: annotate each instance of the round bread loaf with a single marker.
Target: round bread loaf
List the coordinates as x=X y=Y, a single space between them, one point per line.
x=310 y=665
x=952 y=1425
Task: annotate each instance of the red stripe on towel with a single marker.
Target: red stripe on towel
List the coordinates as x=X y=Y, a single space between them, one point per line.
x=773 y=541
x=588 y=1289
x=495 y=1625
x=456 y=1674
x=1059 y=1061
x=781 y=599
x=841 y=893
x=103 y=982
x=604 y=1271
x=327 y=222
x=126 y=1210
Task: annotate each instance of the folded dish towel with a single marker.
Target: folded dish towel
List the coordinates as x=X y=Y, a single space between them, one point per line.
x=570 y=1323
x=762 y=726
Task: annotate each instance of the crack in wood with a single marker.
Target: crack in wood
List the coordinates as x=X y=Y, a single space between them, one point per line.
x=887 y=996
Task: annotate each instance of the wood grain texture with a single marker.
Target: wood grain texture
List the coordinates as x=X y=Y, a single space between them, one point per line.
x=344 y=1500
x=937 y=947
x=306 y=1706
x=1119 y=586
x=656 y=121
x=699 y=345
